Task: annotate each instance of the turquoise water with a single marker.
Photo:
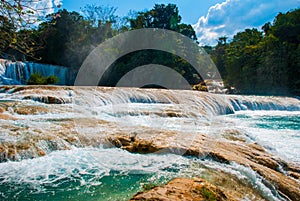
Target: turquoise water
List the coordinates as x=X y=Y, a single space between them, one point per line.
x=277 y=131
x=116 y=186
x=278 y=122
x=273 y=122
x=86 y=174
x=107 y=175
x=97 y=174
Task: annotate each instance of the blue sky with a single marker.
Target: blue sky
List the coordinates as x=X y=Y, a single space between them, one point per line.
x=190 y=10
x=210 y=18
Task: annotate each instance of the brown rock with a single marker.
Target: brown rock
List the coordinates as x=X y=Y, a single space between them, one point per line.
x=2 y=110
x=7 y=117
x=62 y=134
x=30 y=110
x=249 y=155
x=184 y=189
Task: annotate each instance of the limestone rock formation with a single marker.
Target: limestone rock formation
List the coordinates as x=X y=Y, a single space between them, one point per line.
x=184 y=189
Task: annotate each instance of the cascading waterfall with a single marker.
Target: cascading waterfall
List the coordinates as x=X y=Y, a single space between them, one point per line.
x=189 y=102
x=155 y=108
x=215 y=104
x=68 y=125
x=12 y=73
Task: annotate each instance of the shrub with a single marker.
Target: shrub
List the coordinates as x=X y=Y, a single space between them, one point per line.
x=38 y=79
x=52 y=79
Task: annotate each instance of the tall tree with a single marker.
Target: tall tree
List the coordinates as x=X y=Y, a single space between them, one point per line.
x=265 y=62
x=241 y=60
x=99 y=15
x=164 y=17
x=77 y=36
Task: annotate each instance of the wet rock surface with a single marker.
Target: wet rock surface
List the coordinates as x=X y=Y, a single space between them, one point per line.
x=184 y=189
x=32 y=127
x=268 y=166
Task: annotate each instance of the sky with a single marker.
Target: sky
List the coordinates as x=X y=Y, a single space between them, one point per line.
x=211 y=19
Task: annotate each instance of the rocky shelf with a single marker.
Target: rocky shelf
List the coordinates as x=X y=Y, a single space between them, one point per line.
x=64 y=132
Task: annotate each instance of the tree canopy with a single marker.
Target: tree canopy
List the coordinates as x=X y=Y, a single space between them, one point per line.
x=263 y=62
x=252 y=62
x=18 y=36
x=164 y=17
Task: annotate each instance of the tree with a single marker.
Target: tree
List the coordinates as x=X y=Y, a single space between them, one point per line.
x=17 y=20
x=77 y=37
x=163 y=17
x=218 y=55
x=265 y=62
x=287 y=27
x=266 y=28
x=98 y=15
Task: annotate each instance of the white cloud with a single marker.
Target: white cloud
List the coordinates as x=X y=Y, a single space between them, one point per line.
x=58 y=2
x=232 y=16
x=44 y=7
x=40 y=9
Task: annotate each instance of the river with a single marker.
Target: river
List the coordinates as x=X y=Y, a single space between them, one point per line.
x=86 y=168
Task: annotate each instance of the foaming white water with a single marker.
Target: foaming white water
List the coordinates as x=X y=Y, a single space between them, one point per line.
x=255 y=103
x=20 y=72
x=76 y=169
x=184 y=111
x=87 y=168
x=127 y=109
x=188 y=103
x=277 y=131
x=244 y=174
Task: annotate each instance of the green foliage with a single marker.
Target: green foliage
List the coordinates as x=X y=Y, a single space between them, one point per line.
x=164 y=17
x=38 y=79
x=253 y=62
x=144 y=57
x=52 y=79
x=18 y=36
x=265 y=62
x=207 y=194
x=66 y=38
x=69 y=37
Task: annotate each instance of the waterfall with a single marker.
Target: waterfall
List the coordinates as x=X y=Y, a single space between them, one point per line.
x=253 y=103
x=187 y=102
x=94 y=112
x=60 y=141
x=15 y=73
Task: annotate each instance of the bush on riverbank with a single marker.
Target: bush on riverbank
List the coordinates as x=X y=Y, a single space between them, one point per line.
x=38 y=79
